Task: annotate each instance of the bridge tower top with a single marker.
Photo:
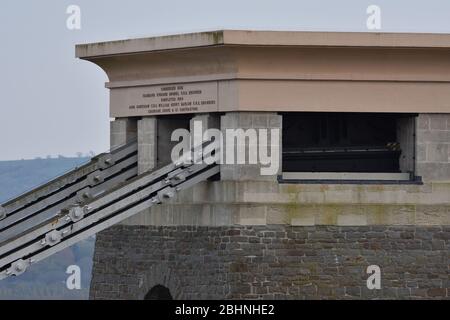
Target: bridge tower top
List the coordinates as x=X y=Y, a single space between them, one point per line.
x=232 y=70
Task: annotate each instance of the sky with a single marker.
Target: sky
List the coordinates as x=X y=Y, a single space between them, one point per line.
x=54 y=104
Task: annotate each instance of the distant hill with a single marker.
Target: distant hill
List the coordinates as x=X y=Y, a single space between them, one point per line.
x=20 y=176
x=45 y=280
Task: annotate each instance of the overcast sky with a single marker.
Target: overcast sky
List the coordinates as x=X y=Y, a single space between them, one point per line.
x=52 y=103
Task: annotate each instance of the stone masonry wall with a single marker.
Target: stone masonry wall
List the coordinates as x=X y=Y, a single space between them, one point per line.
x=272 y=262
x=433 y=147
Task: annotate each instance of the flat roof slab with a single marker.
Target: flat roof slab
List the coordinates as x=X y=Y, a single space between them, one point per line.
x=264 y=38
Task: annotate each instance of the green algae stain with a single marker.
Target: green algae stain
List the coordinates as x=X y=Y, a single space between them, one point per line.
x=217 y=37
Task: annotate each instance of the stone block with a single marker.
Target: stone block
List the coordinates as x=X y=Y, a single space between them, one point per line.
x=438 y=121
x=431 y=215
x=434 y=172
x=433 y=136
x=438 y=152
x=147 y=144
x=423 y=121
x=421 y=152
x=252 y=215
x=122 y=131
x=351 y=219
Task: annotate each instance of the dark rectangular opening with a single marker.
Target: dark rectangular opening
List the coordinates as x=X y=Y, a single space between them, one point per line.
x=348 y=142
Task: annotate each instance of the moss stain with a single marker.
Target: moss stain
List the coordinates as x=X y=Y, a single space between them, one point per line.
x=217 y=37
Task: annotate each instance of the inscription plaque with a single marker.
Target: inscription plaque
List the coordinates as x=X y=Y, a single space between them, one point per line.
x=164 y=99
